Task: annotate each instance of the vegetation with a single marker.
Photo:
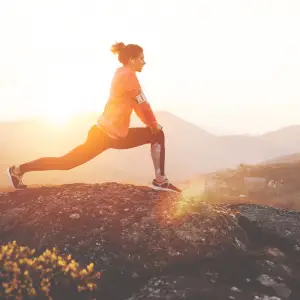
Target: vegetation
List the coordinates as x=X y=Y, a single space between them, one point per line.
x=25 y=276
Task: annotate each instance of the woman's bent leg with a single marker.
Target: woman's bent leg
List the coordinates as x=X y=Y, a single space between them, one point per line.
x=140 y=136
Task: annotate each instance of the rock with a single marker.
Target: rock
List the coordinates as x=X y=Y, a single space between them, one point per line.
x=281 y=289
x=280 y=223
x=264 y=297
x=157 y=245
x=275 y=252
x=235 y=289
x=74 y=216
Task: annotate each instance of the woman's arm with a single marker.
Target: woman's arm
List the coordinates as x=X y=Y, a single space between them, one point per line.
x=144 y=111
x=141 y=106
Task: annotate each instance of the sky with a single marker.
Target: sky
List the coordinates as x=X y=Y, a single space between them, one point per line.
x=228 y=66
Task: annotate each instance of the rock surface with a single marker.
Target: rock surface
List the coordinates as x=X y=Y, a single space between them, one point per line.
x=157 y=245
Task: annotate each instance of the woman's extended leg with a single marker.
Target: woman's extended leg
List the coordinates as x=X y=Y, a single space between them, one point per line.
x=95 y=143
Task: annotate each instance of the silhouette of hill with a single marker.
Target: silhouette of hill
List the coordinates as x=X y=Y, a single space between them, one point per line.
x=153 y=245
x=286 y=139
x=286 y=134
x=190 y=150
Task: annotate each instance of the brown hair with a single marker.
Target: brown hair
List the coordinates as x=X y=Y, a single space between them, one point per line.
x=126 y=52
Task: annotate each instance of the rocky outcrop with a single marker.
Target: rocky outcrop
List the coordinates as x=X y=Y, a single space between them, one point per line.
x=158 y=245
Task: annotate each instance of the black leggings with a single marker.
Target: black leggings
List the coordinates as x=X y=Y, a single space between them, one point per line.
x=97 y=141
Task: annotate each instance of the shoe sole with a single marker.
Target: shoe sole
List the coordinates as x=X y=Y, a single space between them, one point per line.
x=154 y=187
x=10 y=178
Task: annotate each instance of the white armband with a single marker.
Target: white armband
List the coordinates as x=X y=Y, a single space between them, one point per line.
x=141 y=98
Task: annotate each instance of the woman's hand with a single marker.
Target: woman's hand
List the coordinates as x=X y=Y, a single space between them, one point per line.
x=156 y=129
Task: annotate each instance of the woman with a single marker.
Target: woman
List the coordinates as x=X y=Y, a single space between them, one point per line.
x=112 y=128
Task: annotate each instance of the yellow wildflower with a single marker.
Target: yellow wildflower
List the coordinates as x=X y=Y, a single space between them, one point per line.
x=90 y=267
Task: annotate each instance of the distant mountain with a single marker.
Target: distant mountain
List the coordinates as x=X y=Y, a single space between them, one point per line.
x=286 y=138
x=190 y=150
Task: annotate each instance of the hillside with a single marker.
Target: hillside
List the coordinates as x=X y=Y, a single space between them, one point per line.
x=290 y=158
x=273 y=184
x=154 y=245
x=190 y=151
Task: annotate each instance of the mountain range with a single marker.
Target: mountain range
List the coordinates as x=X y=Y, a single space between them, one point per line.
x=190 y=150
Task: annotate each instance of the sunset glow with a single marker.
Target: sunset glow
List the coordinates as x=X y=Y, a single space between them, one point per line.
x=232 y=61
x=58 y=119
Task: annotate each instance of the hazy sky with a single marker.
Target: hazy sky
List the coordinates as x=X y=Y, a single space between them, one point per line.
x=230 y=66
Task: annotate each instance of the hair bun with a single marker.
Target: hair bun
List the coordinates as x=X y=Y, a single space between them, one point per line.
x=117 y=48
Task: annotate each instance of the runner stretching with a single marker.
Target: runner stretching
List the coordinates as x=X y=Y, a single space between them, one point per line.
x=112 y=127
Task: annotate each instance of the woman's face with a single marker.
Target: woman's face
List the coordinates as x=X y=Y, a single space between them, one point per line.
x=138 y=63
